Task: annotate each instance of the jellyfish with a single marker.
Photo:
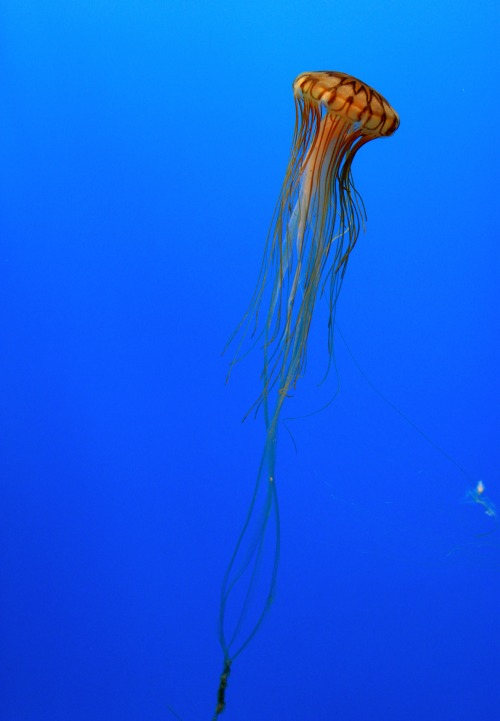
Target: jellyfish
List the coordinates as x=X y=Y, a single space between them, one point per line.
x=314 y=229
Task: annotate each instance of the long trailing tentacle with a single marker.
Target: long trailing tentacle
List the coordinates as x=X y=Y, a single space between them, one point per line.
x=313 y=219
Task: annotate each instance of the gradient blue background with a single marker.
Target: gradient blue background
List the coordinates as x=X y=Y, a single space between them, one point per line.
x=143 y=145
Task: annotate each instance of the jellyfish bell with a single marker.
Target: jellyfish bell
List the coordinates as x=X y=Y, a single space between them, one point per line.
x=348 y=99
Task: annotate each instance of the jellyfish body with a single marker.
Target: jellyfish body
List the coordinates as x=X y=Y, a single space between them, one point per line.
x=314 y=229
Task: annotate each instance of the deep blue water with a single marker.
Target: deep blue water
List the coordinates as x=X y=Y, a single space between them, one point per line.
x=143 y=147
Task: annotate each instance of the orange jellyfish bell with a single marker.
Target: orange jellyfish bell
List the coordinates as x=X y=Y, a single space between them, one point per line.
x=349 y=99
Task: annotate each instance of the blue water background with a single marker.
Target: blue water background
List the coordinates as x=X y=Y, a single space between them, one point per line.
x=143 y=146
